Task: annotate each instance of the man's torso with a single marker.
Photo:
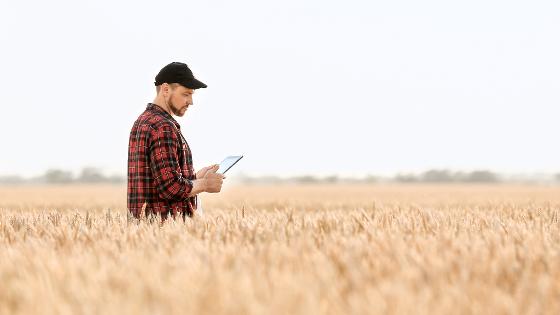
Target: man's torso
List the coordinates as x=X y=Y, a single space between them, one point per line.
x=143 y=192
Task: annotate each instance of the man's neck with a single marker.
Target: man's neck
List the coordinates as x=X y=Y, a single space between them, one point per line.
x=159 y=101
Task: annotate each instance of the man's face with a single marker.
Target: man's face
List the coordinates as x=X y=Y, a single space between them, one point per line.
x=179 y=99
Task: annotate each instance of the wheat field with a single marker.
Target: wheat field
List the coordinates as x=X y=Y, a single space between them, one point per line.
x=308 y=249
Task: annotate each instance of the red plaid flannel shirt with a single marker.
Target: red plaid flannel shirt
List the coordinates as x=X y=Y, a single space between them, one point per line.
x=160 y=168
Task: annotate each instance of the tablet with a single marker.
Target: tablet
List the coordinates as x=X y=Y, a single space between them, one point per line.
x=228 y=162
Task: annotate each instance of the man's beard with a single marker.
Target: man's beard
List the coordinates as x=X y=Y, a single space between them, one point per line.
x=174 y=110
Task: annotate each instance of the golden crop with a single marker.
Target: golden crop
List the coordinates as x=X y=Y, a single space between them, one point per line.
x=309 y=249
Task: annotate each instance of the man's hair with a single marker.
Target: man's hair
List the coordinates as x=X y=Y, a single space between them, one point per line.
x=172 y=85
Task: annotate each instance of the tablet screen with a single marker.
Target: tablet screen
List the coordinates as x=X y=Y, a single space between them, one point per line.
x=228 y=162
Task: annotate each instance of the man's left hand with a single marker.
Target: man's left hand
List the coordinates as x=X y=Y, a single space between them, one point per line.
x=202 y=172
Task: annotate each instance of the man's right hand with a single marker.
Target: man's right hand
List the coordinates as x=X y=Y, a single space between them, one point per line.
x=213 y=180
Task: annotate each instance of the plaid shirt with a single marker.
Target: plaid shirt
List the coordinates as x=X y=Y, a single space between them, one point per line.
x=160 y=168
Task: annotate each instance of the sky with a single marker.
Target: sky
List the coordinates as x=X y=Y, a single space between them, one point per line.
x=298 y=87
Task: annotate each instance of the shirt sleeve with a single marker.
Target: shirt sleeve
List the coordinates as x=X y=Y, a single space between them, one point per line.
x=165 y=165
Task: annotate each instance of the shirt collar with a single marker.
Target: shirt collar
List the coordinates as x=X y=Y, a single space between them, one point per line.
x=157 y=108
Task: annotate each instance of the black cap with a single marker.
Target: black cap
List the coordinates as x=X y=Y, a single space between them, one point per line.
x=178 y=72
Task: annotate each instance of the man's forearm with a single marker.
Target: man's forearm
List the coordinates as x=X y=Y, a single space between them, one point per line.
x=199 y=185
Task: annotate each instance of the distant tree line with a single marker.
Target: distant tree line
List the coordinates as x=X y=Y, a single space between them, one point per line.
x=446 y=176
x=94 y=175
x=430 y=176
x=59 y=176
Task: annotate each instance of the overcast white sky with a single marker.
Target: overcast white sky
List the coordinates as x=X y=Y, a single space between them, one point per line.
x=299 y=87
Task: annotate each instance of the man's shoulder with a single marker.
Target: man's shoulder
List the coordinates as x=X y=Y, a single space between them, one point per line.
x=150 y=121
x=154 y=129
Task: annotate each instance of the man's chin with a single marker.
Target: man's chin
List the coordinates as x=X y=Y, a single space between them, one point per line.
x=181 y=112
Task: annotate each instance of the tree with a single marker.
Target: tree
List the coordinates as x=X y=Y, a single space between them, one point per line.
x=437 y=176
x=482 y=177
x=406 y=178
x=57 y=176
x=91 y=175
x=305 y=179
x=11 y=179
x=331 y=179
x=116 y=179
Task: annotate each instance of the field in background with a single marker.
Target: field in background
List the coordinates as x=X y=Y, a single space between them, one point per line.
x=308 y=249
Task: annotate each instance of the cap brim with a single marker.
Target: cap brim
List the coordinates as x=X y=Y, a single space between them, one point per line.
x=193 y=84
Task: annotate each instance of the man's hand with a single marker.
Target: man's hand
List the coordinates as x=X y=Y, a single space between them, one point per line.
x=213 y=180
x=207 y=180
x=202 y=172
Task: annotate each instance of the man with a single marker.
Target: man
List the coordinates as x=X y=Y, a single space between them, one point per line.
x=161 y=177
